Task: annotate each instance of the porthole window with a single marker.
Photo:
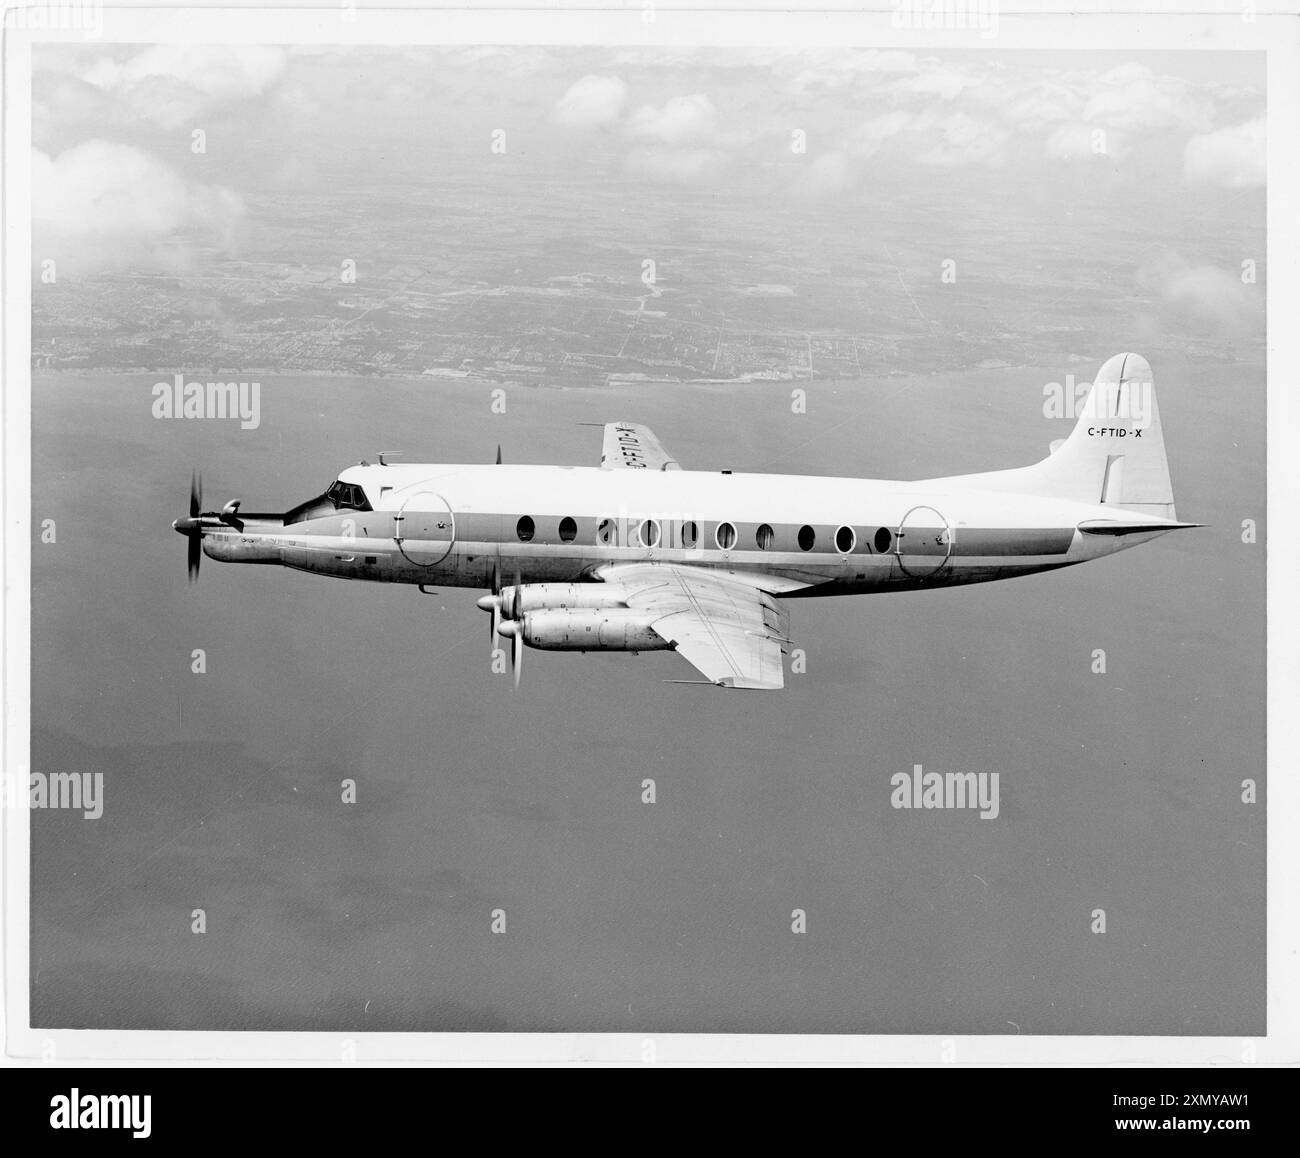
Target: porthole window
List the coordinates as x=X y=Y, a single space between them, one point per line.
x=690 y=535
x=726 y=536
x=568 y=530
x=844 y=540
x=763 y=537
x=525 y=529
x=649 y=533
x=605 y=532
x=807 y=538
x=883 y=540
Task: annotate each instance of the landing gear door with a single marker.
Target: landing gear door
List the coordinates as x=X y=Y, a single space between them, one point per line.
x=424 y=528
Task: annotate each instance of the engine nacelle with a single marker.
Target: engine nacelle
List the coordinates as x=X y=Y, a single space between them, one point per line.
x=591 y=629
x=562 y=596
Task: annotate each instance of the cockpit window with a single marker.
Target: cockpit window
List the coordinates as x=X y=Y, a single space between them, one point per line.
x=347 y=496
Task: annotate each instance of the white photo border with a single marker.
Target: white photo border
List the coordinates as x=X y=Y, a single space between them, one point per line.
x=1253 y=27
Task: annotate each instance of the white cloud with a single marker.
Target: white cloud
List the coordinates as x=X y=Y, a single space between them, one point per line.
x=1234 y=157
x=682 y=119
x=932 y=138
x=1205 y=294
x=943 y=81
x=171 y=84
x=871 y=134
x=965 y=140
x=836 y=68
x=105 y=205
x=1132 y=96
x=591 y=102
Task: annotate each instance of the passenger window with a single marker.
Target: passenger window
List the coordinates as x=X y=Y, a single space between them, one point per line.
x=763 y=537
x=845 y=539
x=568 y=530
x=649 y=533
x=690 y=535
x=605 y=532
x=807 y=538
x=726 y=536
x=883 y=540
x=525 y=529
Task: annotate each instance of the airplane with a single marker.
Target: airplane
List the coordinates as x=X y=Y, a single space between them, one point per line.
x=639 y=554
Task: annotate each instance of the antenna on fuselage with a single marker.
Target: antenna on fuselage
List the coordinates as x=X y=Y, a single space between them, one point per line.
x=382 y=453
x=498 y=454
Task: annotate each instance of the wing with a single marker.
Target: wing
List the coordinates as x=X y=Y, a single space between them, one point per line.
x=629 y=445
x=730 y=630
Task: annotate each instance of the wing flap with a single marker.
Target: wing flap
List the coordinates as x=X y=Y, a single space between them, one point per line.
x=733 y=633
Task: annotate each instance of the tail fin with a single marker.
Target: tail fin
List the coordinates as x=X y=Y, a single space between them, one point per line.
x=1116 y=454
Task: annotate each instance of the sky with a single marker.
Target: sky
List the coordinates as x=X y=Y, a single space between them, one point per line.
x=1120 y=790
x=117 y=181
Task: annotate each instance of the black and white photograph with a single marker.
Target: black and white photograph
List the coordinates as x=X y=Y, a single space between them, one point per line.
x=664 y=529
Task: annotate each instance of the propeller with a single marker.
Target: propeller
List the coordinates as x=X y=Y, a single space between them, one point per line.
x=192 y=529
x=492 y=605
x=495 y=605
x=517 y=637
x=511 y=625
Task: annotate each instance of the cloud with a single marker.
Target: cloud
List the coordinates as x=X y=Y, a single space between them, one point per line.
x=1234 y=158
x=1132 y=96
x=932 y=138
x=1204 y=294
x=172 y=84
x=680 y=120
x=961 y=139
x=591 y=102
x=832 y=70
x=938 y=80
x=104 y=205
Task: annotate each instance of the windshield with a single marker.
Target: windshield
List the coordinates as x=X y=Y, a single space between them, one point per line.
x=340 y=497
x=347 y=495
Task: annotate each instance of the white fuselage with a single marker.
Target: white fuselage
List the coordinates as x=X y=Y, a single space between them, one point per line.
x=457 y=525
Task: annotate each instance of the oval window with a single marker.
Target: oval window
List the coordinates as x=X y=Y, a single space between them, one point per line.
x=726 y=536
x=568 y=530
x=763 y=537
x=650 y=533
x=807 y=538
x=844 y=540
x=605 y=532
x=690 y=535
x=883 y=540
x=525 y=529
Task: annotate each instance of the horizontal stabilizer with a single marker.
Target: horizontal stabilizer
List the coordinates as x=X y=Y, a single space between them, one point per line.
x=1116 y=527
